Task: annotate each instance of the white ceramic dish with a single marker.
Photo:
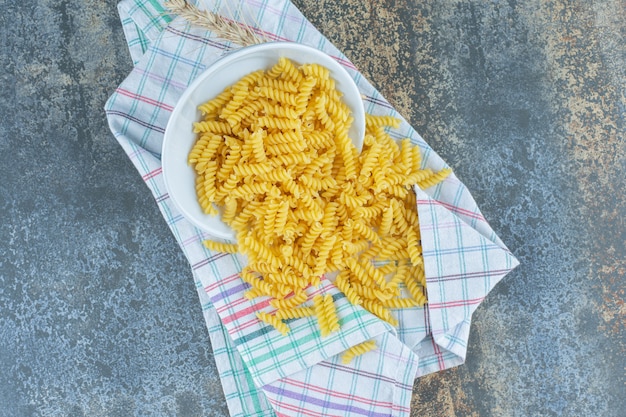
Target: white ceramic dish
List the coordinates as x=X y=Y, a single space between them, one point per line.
x=179 y=138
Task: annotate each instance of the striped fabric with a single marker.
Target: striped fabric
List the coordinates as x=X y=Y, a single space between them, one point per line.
x=264 y=373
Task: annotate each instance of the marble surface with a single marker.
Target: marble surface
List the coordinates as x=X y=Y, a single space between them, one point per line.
x=526 y=102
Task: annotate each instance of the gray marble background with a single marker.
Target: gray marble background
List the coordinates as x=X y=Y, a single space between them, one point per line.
x=525 y=100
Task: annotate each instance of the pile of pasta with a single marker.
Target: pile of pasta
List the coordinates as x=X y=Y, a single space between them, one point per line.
x=274 y=159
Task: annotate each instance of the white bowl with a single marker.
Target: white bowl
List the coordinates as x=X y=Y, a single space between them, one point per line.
x=179 y=137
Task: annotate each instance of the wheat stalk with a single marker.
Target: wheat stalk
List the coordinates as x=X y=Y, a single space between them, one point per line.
x=225 y=29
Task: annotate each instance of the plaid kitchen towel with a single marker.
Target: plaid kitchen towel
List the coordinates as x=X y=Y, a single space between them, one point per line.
x=263 y=372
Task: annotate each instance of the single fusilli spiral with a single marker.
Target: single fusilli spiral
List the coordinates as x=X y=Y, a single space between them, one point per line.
x=273 y=321
x=357 y=350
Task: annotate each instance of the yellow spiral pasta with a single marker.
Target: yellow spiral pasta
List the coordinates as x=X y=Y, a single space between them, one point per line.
x=357 y=350
x=375 y=121
x=387 y=268
x=338 y=112
x=275 y=175
x=263 y=269
x=257 y=250
x=311 y=182
x=211 y=107
x=304 y=94
x=434 y=179
x=248 y=80
x=406 y=154
x=231 y=207
x=242 y=219
x=322 y=320
x=278 y=123
x=399 y=303
x=198 y=148
x=229 y=163
x=278 y=96
x=320 y=112
x=378 y=309
x=418 y=272
x=248 y=191
x=221 y=246
x=207 y=154
x=285 y=137
x=368 y=161
x=316 y=164
x=389 y=248
x=415 y=290
x=345 y=287
x=208 y=186
x=269 y=222
x=316 y=71
x=289 y=71
x=347 y=154
x=283 y=85
x=399 y=273
x=279 y=110
x=276 y=70
x=417 y=177
x=253 y=293
x=290 y=160
x=285 y=148
x=331 y=313
x=289 y=303
x=212 y=126
x=327 y=85
x=323 y=255
x=274 y=158
x=281 y=219
x=308 y=240
x=370 y=212
x=273 y=321
x=239 y=96
x=367 y=232
x=251 y=170
x=257 y=145
x=301 y=266
x=359 y=272
x=365 y=291
x=386 y=220
x=319 y=139
x=330 y=220
x=257 y=283
x=413 y=246
x=242 y=113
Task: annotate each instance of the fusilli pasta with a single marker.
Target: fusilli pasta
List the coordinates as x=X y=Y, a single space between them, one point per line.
x=273 y=152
